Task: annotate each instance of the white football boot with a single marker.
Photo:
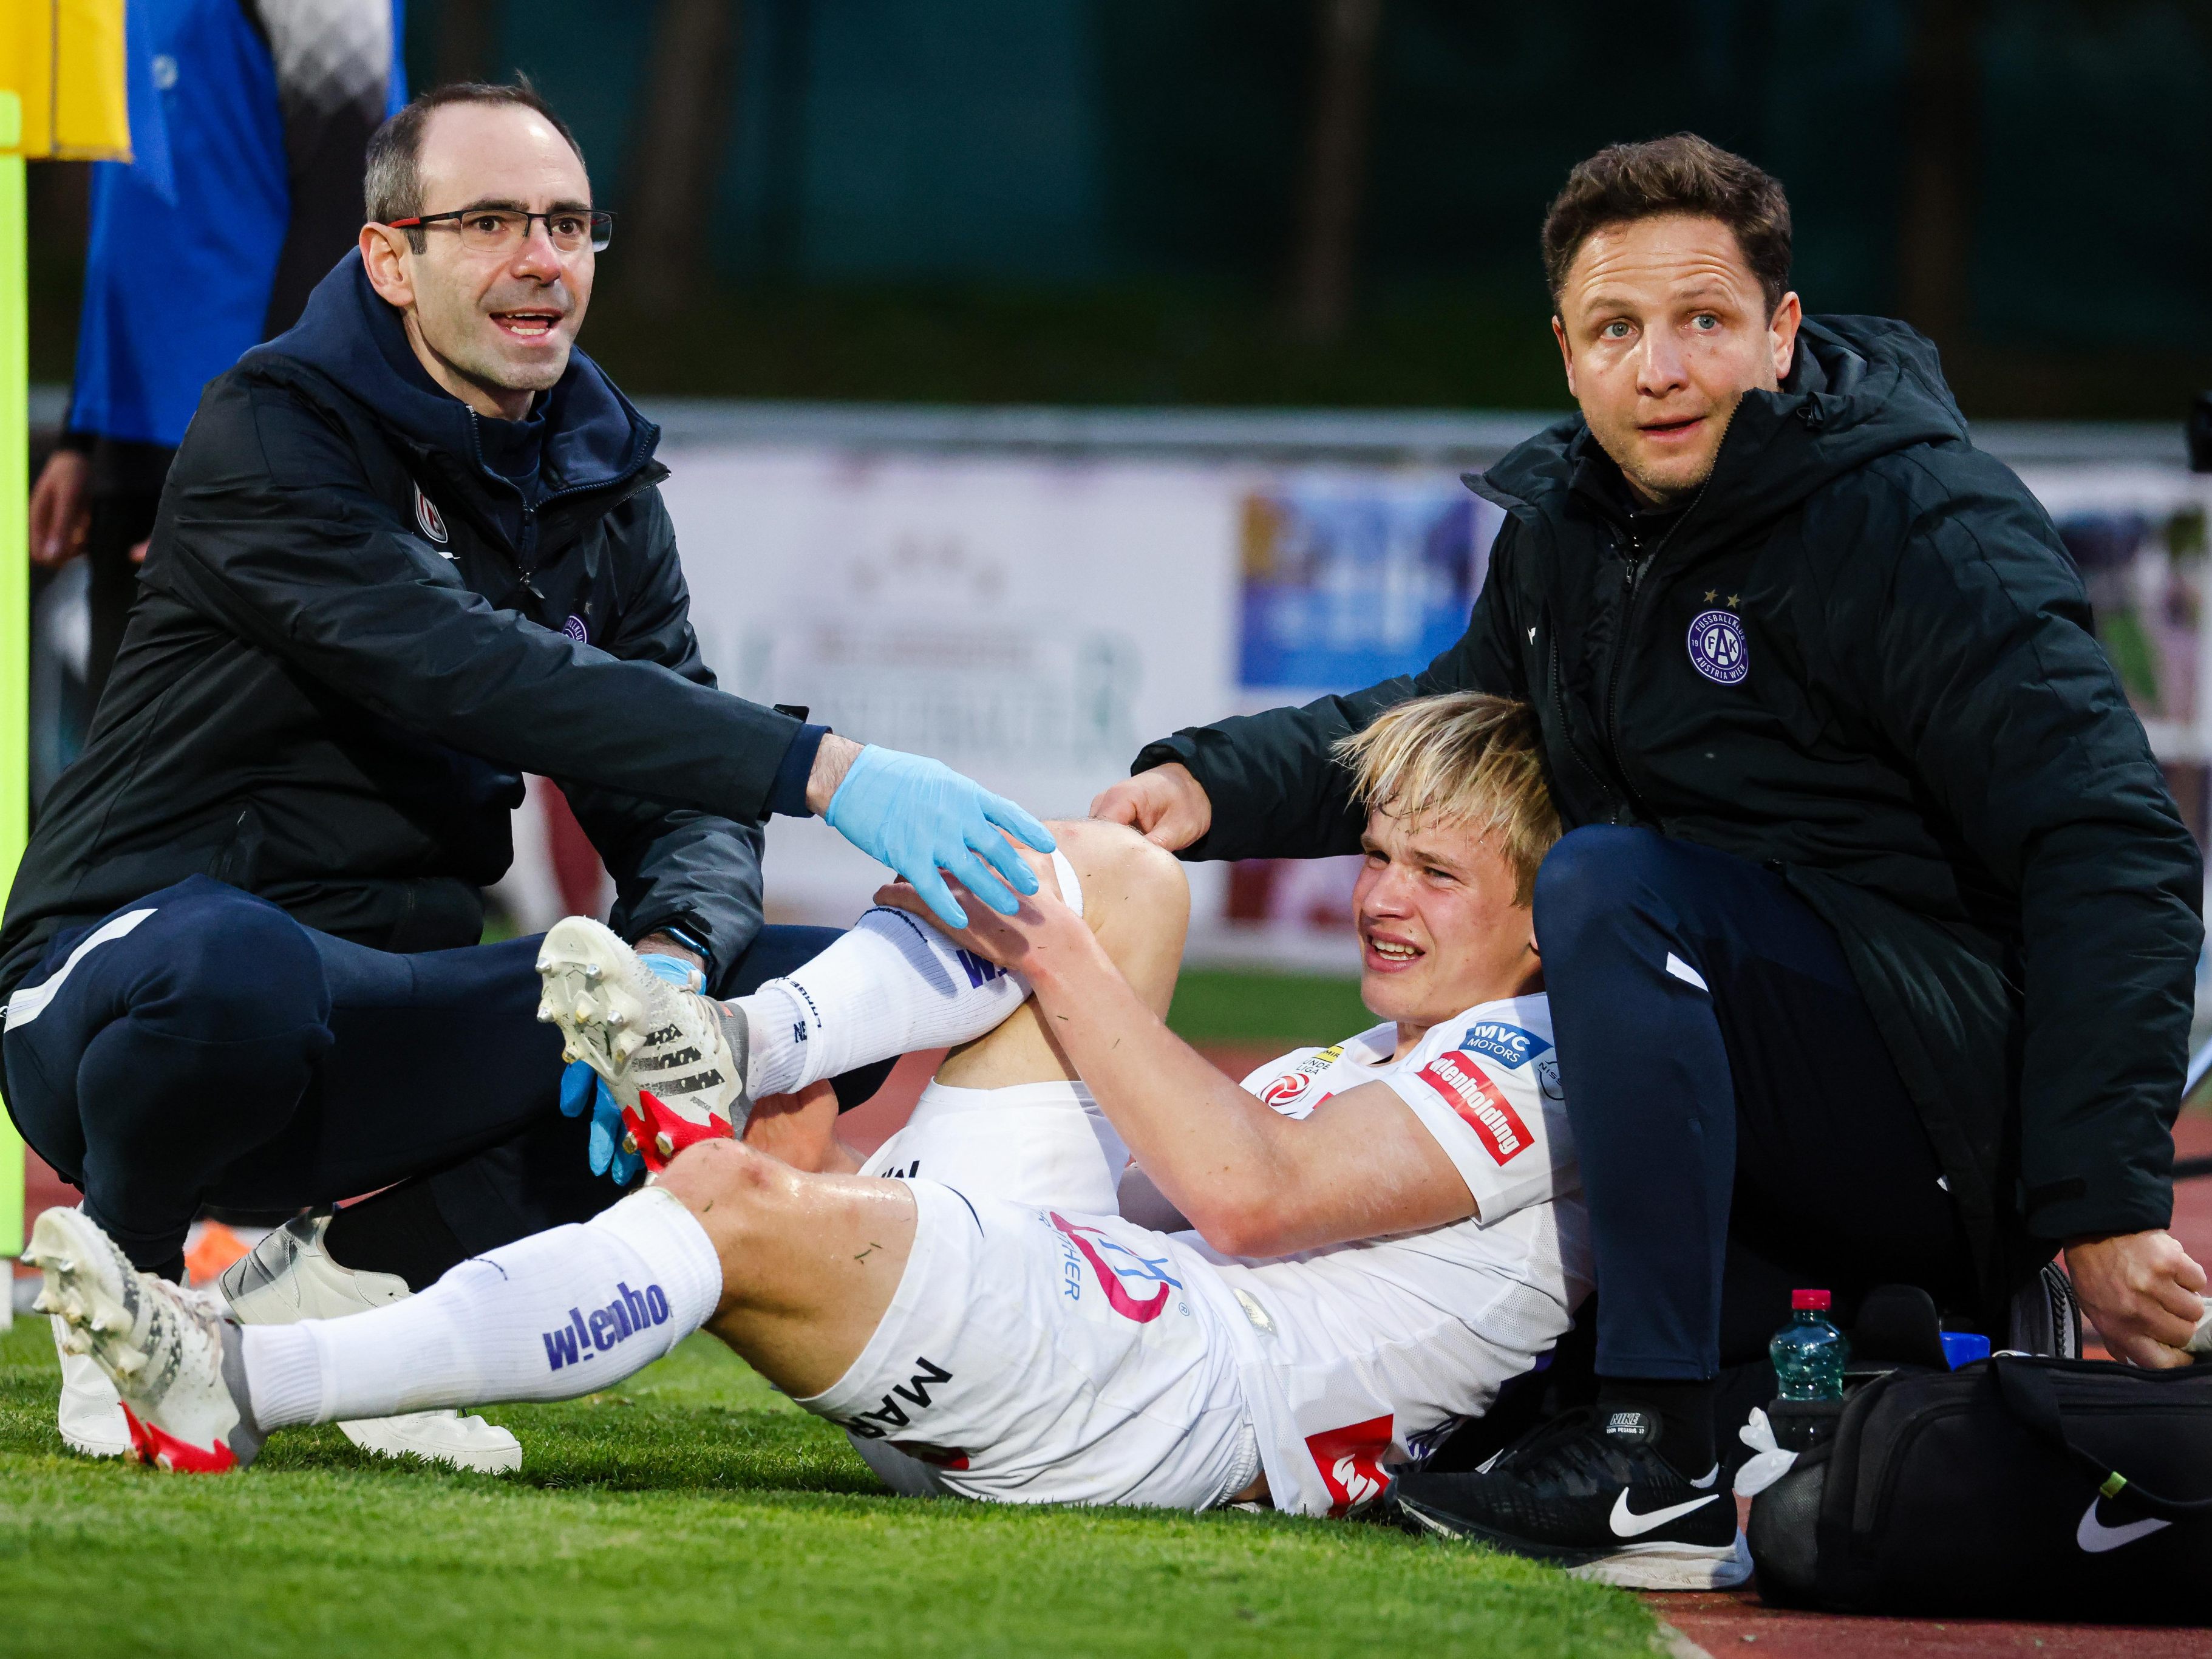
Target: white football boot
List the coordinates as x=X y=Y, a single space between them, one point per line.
x=289 y=1275
x=91 y=1415
x=674 y=1060
x=172 y=1354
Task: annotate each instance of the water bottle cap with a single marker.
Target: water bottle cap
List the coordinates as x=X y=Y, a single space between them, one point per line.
x=1810 y=1301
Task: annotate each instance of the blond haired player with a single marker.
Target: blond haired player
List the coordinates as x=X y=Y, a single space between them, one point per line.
x=1379 y=1234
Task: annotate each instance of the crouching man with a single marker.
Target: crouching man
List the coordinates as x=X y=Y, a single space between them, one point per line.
x=1379 y=1233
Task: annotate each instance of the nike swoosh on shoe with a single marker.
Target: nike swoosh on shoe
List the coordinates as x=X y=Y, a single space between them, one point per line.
x=1627 y=1524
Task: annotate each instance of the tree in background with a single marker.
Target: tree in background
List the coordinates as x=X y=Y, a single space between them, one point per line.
x=1943 y=134
x=678 y=157
x=1324 y=257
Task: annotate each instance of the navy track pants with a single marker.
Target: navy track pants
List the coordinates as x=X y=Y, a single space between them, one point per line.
x=200 y=1047
x=1740 y=1126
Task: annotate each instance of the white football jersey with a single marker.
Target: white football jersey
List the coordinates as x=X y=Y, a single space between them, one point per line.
x=1363 y=1355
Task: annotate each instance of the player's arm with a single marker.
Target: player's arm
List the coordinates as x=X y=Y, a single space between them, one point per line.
x=1251 y=1182
x=291 y=549
x=1267 y=785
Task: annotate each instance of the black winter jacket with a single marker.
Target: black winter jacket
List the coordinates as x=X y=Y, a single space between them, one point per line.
x=340 y=663
x=1927 y=743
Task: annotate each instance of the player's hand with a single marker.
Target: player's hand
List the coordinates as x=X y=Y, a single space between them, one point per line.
x=2141 y=1292
x=1166 y=805
x=1041 y=931
x=61 y=508
x=921 y=817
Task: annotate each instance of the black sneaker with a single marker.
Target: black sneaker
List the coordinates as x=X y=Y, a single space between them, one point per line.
x=1590 y=1490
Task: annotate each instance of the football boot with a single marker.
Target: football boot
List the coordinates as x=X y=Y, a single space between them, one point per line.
x=172 y=1354
x=674 y=1059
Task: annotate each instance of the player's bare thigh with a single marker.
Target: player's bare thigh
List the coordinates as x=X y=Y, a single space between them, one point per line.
x=810 y=1262
x=1138 y=902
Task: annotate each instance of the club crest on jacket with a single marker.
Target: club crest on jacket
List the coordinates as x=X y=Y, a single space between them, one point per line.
x=1717 y=646
x=427 y=515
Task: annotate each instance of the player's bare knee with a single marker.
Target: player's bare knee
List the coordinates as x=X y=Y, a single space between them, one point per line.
x=1125 y=875
x=733 y=1190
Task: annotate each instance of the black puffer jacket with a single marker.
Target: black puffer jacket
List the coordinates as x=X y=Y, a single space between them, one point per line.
x=341 y=661
x=1926 y=738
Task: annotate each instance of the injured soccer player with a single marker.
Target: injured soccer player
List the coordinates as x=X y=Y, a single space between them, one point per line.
x=1091 y=1269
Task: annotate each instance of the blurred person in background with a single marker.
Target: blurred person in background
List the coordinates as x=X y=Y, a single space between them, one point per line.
x=408 y=549
x=1872 y=943
x=249 y=119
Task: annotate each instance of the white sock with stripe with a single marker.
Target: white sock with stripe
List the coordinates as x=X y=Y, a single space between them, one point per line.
x=892 y=985
x=548 y=1317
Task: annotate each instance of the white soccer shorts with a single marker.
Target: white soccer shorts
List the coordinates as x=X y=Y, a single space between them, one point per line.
x=1031 y=1356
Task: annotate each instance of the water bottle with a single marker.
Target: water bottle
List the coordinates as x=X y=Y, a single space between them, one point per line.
x=1809 y=1353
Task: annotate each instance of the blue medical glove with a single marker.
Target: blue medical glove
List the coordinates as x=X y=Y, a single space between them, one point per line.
x=919 y=816
x=581 y=1086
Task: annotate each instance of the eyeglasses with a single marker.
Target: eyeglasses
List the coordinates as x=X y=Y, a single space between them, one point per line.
x=501 y=230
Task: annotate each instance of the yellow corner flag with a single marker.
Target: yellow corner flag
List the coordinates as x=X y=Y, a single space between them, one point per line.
x=61 y=98
x=63 y=59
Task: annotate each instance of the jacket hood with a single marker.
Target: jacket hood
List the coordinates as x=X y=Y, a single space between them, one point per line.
x=593 y=437
x=1860 y=388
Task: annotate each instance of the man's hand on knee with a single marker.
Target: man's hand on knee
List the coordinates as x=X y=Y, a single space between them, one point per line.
x=2142 y=1293
x=1166 y=805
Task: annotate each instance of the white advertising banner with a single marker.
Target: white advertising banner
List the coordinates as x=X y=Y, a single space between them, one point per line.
x=1031 y=615
x=1029 y=623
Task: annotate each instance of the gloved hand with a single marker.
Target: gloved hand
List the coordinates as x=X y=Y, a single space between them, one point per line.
x=581 y=1086
x=919 y=816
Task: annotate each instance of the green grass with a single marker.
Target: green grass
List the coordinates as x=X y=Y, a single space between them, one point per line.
x=696 y=1511
x=1220 y=1006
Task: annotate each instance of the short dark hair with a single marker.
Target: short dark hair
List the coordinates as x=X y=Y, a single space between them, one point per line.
x=391 y=182
x=1683 y=174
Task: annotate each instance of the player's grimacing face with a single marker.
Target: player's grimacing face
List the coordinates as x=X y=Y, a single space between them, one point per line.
x=1663 y=327
x=505 y=319
x=1440 y=930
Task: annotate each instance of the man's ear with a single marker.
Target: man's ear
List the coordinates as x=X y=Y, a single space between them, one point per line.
x=1566 y=352
x=383 y=255
x=1782 y=333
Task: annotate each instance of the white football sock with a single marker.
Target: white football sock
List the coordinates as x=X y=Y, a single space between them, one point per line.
x=892 y=985
x=548 y=1317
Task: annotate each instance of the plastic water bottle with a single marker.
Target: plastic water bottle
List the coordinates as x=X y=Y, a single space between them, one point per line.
x=1809 y=1353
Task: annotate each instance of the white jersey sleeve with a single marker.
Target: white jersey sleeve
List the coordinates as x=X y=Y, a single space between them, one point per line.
x=1487 y=1087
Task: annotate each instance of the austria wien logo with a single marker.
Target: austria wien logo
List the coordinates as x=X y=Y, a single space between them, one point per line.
x=1479 y=1105
x=1717 y=646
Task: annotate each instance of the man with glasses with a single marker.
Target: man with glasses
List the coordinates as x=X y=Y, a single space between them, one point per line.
x=410 y=550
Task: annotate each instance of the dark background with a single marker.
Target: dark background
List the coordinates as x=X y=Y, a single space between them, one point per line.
x=1285 y=202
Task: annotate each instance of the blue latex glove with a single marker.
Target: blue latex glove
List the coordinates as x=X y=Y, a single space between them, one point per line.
x=919 y=816
x=581 y=1086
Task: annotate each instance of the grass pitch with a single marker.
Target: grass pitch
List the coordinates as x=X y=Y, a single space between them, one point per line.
x=695 y=1510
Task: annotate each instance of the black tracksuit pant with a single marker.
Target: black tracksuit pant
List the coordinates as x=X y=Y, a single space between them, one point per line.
x=1740 y=1127
x=201 y=1047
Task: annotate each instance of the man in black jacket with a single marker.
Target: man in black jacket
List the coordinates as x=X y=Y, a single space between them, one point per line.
x=1871 y=950
x=408 y=549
